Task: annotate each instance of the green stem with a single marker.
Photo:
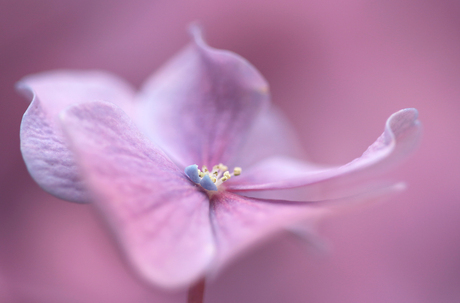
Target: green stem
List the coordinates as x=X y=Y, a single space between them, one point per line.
x=196 y=292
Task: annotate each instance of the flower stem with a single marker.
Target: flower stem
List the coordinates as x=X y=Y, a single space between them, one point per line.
x=196 y=292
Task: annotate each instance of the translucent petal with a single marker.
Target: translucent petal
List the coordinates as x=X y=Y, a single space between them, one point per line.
x=401 y=135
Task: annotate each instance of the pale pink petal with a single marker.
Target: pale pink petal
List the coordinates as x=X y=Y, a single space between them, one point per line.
x=48 y=158
x=401 y=135
x=60 y=88
x=199 y=106
x=271 y=135
x=242 y=222
x=43 y=147
x=307 y=234
x=159 y=217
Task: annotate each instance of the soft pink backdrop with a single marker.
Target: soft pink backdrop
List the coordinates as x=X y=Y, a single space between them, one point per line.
x=337 y=68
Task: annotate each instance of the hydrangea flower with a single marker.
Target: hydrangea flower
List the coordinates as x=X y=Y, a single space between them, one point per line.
x=195 y=168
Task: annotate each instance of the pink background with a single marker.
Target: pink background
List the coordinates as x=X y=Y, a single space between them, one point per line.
x=337 y=68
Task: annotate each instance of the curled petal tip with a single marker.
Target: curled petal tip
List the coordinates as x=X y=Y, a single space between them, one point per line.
x=402 y=121
x=196 y=31
x=25 y=90
x=411 y=110
x=410 y=114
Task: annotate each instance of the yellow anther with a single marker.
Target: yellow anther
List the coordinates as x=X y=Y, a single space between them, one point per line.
x=222 y=167
x=219 y=173
x=237 y=171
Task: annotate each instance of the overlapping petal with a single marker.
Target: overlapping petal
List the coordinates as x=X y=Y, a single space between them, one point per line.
x=199 y=106
x=43 y=147
x=271 y=135
x=402 y=131
x=158 y=216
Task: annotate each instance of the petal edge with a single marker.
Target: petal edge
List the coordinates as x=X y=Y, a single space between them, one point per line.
x=400 y=137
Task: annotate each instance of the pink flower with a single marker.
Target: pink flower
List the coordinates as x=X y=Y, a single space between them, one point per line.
x=88 y=137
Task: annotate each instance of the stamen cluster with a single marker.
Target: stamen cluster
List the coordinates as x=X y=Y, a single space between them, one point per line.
x=210 y=180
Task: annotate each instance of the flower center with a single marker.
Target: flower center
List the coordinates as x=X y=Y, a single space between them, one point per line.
x=210 y=180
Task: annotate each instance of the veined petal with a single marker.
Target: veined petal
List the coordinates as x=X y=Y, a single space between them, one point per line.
x=43 y=146
x=159 y=217
x=401 y=135
x=199 y=106
x=242 y=222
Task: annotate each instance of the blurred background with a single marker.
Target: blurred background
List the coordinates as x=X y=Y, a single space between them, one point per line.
x=338 y=69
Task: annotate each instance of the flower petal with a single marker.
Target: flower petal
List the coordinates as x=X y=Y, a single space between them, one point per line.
x=160 y=218
x=243 y=222
x=43 y=146
x=401 y=135
x=199 y=106
x=271 y=135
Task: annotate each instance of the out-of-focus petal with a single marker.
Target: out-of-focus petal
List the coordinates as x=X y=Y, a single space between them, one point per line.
x=271 y=135
x=48 y=158
x=199 y=106
x=243 y=222
x=160 y=218
x=401 y=135
x=43 y=147
x=306 y=233
x=61 y=88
